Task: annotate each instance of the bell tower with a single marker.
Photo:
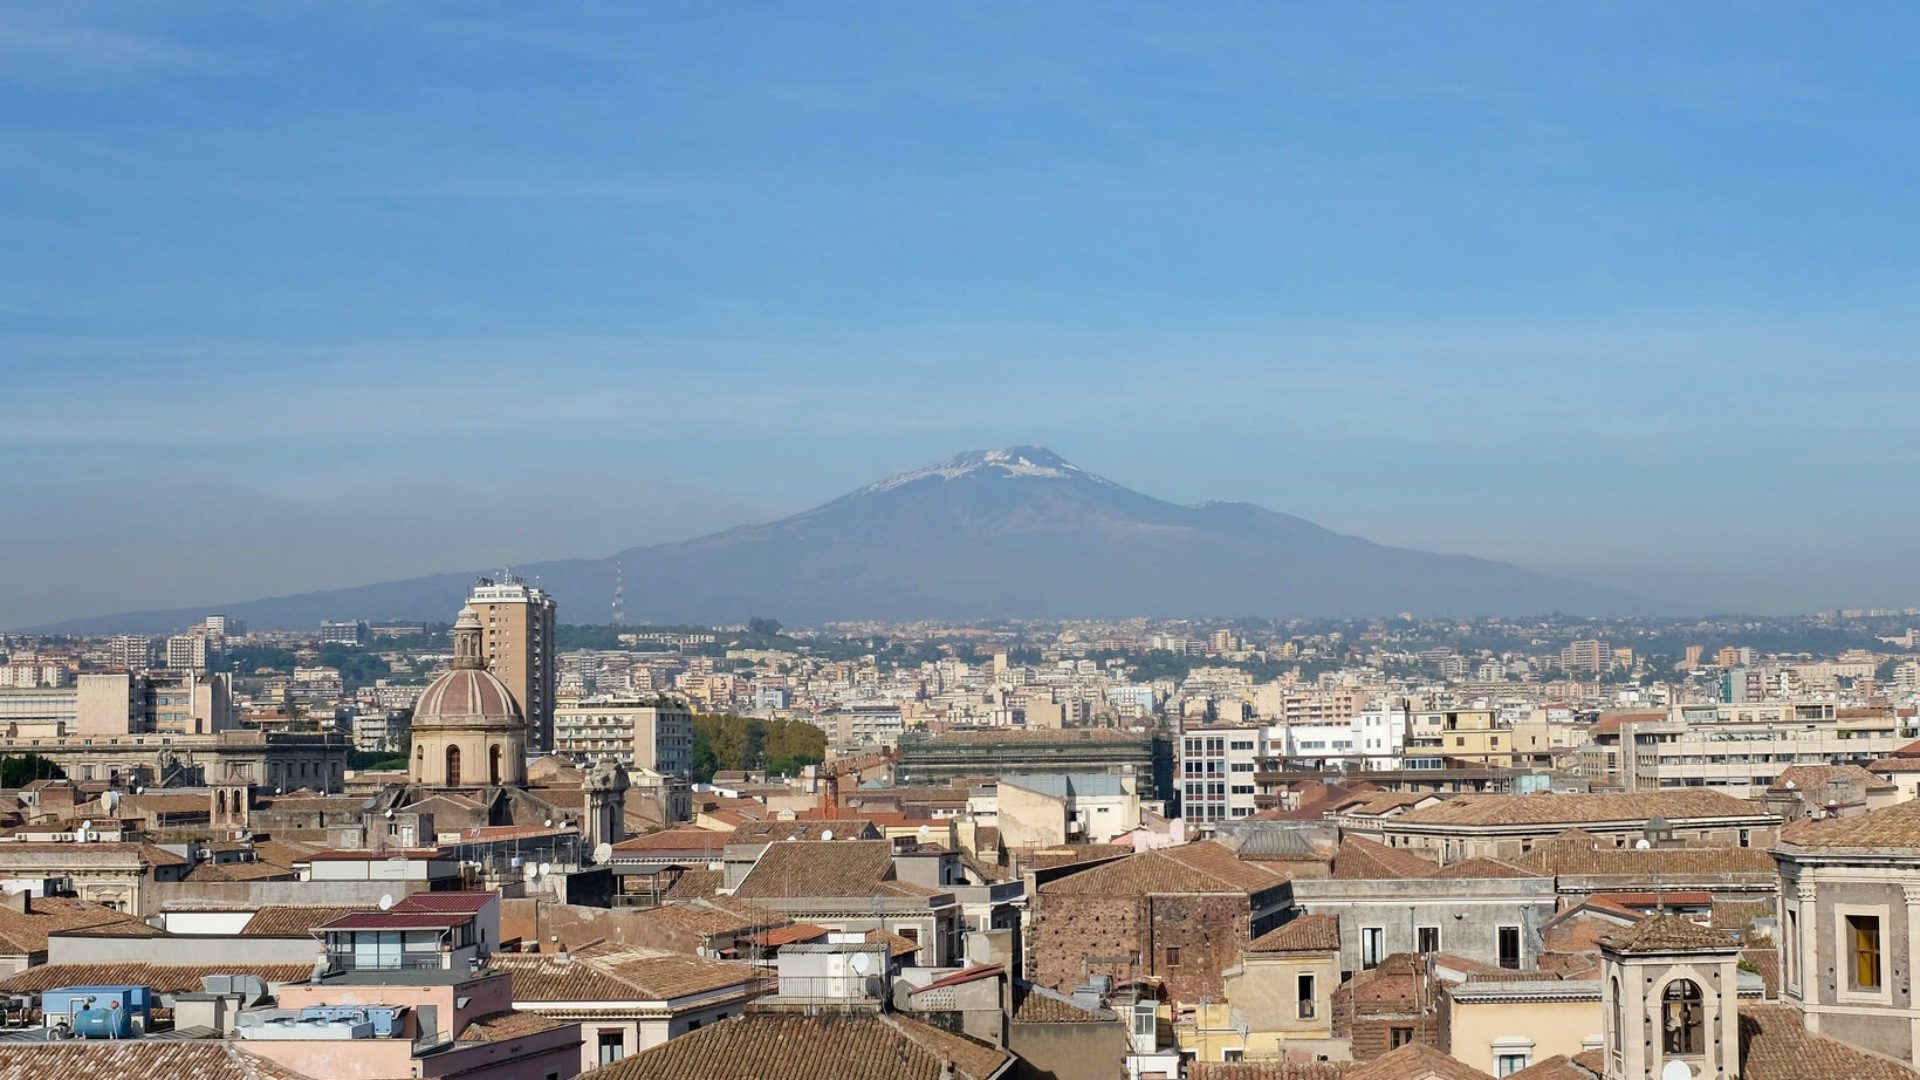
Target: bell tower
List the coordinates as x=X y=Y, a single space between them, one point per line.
x=1670 y=1001
x=606 y=787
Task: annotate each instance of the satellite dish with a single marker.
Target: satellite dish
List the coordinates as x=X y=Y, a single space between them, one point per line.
x=546 y=868
x=386 y=902
x=549 y=823
x=87 y=824
x=530 y=871
x=602 y=852
x=826 y=834
x=926 y=831
x=389 y=814
x=1675 y=1069
x=1791 y=785
x=1642 y=845
x=862 y=964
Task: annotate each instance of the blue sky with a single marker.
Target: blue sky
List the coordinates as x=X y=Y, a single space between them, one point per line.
x=1625 y=291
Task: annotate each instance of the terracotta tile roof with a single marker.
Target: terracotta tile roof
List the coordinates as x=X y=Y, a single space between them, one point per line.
x=819 y=868
x=1204 y=867
x=1594 y=1061
x=765 y=832
x=163 y=978
x=1814 y=777
x=833 y=1046
x=177 y=1059
x=709 y=920
x=1776 y=1045
x=1043 y=1006
x=897 y=946
x=282 y=852
x=1268 y=1070
x=1666 y=933
x=396 y=920
x=1558 y=1067
x=1577 y=852
x=1483 y=868
x=1766 y=964
x=675 y=840
x=1416 y=1061
x=1360 y=859
x=695 y=883
x=789 y=935
x=291 y=920
x=465 y=902
x=1894 y=827
x=619 y=974
x=972 y=974
x=1308 y=933
x=1895 y=765
x=1553 y=809
x=26 y=932
x=1046 y=858
x=507 y=1026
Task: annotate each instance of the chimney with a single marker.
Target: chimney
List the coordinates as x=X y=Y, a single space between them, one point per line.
x=21 y=901
x=946 y=1067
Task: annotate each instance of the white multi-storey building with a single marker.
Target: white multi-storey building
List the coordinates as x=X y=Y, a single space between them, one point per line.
x=1216 y=770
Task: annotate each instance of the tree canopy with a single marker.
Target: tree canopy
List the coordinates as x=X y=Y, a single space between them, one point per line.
x=780 y=747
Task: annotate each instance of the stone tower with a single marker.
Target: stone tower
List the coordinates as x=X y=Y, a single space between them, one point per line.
x=606 y=803
x=1670 y=1001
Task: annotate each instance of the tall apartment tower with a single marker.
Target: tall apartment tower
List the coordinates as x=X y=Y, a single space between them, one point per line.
x=518 y=621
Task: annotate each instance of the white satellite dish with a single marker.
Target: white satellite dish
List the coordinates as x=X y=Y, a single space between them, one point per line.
x=1641 y=845
x=826 y=834
x=862 y=964
x=1791 y=785
x=546 y=868
x=602 y=852
x=530 y=871
x=926 y=831
x=386 y=902
x=549 y=823
x=1676 y=1069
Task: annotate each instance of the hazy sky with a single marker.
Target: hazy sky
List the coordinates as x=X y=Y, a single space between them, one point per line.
x=298 y=295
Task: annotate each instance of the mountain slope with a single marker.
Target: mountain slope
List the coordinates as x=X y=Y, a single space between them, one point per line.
x=1007 y=533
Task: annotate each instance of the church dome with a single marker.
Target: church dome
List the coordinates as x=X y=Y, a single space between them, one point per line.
x=466 y=695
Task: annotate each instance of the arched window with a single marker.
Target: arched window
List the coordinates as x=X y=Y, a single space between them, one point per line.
x=1618 y=1034
x=1682 y=1018
x=220 y=806
x=493 y=764
x=453 y=766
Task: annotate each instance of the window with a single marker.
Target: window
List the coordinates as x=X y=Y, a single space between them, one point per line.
x=1372 y=945
x=1173 y=956
x=1234 y=1054
x=1863 y=941
x=613 y=1046
x=1303 y=987
x=1429 y=939
x=1682 y=1018
x=1508 y=1064
x=1510 y=947
x=1789 y=956
x=1399 y=1037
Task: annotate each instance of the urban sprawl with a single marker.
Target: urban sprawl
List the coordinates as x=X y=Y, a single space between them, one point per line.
x=507 y=846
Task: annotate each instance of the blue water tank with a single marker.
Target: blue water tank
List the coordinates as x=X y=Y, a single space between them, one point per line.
x=99 y=1012
x=109 y=1021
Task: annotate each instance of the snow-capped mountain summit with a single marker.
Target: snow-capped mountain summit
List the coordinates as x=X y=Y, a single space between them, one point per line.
x=1018 y=532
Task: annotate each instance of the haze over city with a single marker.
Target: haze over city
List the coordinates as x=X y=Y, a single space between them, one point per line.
x=1621 y=294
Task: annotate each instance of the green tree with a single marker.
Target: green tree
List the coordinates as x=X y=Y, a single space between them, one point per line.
x=18 y=772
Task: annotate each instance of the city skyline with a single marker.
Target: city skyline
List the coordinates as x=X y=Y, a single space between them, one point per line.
x=1625 y=312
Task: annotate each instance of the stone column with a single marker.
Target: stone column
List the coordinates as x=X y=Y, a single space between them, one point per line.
x=1810 y=974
